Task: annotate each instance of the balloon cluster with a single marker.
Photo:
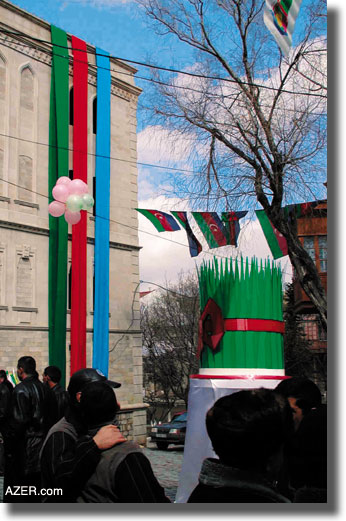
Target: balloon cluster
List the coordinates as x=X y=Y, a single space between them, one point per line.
x=70 y=198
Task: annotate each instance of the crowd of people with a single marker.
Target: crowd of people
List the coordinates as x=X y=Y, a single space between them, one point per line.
x=271 y=444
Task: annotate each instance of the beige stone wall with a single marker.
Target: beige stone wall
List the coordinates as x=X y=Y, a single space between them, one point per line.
x=25 y=75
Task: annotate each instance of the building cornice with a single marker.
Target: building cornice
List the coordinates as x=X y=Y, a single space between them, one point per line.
x=42 y=52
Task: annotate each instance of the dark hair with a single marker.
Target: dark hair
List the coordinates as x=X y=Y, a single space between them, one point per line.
x=3 y=374
x=306 y=392
x=247 y=427
x=98 y=403
x=28 y=364
x=53 y=372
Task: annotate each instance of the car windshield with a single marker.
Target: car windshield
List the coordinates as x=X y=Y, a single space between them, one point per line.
x=181 y=418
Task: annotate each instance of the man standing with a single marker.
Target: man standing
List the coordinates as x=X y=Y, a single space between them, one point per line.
x=5 y=403
x=28 y=422
x=68 y=458
x=124 y=473
x=51 y=377
x=306 y=450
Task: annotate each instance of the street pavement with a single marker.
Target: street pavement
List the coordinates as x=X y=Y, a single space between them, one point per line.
x=166 y=465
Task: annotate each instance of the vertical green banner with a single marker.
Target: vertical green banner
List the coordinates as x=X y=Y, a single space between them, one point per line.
x=58 y=166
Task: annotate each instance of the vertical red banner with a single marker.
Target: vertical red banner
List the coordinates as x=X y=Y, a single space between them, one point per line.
x=79 y=231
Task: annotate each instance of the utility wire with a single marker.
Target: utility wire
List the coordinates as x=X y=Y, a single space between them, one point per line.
x=157 y=67
x=135 y=228
x=230 y=98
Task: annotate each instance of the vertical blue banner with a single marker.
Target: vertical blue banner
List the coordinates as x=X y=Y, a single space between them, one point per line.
x=102 y=171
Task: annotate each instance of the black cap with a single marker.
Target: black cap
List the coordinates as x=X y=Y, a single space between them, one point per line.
x=83 y=377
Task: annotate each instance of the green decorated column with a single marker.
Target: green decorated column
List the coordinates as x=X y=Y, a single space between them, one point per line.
x=241 y=325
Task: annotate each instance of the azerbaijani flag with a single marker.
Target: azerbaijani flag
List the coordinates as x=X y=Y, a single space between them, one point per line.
x=276 y=241
x=232 y=225
x=162 y=221
x=280 y=18
x=194 y=245
x=212 y=228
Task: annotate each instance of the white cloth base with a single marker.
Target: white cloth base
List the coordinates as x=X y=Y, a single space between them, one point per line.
x=203 y=394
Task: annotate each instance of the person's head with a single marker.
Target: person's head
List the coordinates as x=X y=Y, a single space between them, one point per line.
x=3 y=376
x=80 y=379
x=248 y=428
x=98 y=404
x=302 y=394
x=51 y=375
x=26 y=366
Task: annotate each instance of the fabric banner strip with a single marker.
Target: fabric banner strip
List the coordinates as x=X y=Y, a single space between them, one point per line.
x=79 y=230
x=58 y=166
x=103 y=153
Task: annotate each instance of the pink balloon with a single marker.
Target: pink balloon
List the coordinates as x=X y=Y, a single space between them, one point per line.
x=60 y=192
x=56 y=209
x=72 y=217
x=78 y=187
x=63 y=180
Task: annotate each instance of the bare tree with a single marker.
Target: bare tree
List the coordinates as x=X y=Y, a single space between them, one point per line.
x=257 y=120
x=300 y=358
x=170 y=327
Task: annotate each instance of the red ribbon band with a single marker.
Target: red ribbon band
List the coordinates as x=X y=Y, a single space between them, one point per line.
x=254 y=324
x=212 y=326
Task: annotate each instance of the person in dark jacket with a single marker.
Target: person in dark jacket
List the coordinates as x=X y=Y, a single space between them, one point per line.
x=51 y=377
x=69 y=457
x=5 y=405
x=306 y=449
x=124 y=473
x=27 y=428
x=5 y=380
x=247 y=430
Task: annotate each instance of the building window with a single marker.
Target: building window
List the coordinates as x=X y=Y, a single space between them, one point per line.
x=312 y=327
x=2 y=79
x=25 y=178
x=310 y=247
x=94 y=115
x=94 y=196
x=27 y=89
x=24 y=293
x=322 y=246
x=1 y=170
x=69 y=293
x=71 y=106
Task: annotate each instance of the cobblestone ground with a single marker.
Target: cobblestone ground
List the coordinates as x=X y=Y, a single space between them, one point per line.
x=166 y=465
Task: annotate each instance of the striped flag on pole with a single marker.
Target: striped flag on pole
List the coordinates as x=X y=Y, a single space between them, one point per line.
x=280 y=17
x=276 y=241
x=231 y=220
x=162 y=221
x=194 y=245
x=212 y=228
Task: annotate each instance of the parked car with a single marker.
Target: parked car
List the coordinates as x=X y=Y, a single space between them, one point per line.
x=170 y=433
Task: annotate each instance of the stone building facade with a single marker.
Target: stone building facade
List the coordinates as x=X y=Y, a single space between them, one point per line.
x=25 y=75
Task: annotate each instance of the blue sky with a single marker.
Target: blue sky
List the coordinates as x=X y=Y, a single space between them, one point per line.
x=120 y=27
